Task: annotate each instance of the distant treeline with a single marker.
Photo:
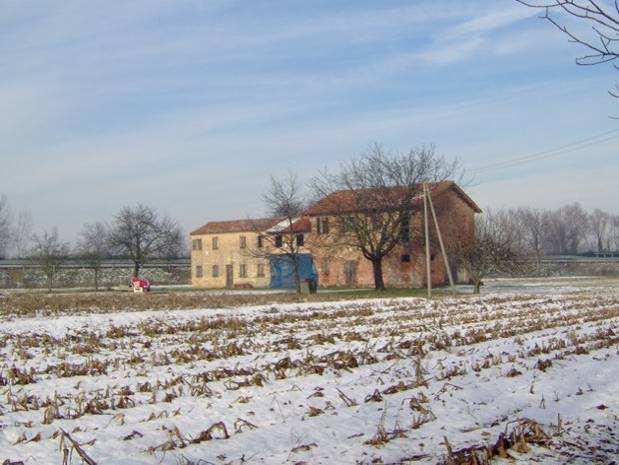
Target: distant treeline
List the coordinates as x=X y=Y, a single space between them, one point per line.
x=568 y=230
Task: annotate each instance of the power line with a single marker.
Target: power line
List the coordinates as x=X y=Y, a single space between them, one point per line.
x=562 y=150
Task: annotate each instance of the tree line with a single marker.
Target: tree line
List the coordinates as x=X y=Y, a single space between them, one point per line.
x=138 y=233
x=568 y=230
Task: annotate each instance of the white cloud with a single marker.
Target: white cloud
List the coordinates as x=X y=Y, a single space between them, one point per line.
x=494 y=19
x=451 y=52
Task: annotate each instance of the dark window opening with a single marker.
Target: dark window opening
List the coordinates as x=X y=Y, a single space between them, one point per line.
x=260 y=242
x=322 y=225
x=279 y=240
x=405 y=258
x=347 y=224
x=300 y=240
x=405 y=229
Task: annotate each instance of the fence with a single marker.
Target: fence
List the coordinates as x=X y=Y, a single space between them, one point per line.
x=25 y=274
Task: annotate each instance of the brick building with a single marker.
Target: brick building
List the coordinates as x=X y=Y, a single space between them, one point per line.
x=224 y=252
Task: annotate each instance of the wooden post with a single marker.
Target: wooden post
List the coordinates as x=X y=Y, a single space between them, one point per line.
x=427 y=231
x=440 y=241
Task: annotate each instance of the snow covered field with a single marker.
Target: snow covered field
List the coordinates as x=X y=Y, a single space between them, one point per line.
x=402 y=381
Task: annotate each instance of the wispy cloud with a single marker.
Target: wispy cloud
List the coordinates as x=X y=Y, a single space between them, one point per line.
x=166 y=102
x=496 y=17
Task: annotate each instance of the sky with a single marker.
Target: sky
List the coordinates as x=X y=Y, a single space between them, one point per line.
x=190 y=105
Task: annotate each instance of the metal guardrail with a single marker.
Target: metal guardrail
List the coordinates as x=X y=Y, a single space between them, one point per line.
x=113 y=263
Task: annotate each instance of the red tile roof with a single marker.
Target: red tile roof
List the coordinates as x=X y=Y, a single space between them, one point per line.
x=349 y=201
x=220 y=227
x=346 y=201
x=302 y=224
x=250 y=225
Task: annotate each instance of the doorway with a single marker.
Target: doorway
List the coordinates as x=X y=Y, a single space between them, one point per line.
x=350 y=273
x=229 y=277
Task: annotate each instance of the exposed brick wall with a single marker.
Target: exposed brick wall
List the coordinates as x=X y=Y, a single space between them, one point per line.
x=456 y=220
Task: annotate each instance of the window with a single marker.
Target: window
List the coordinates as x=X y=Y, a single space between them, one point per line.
x=348 y=223
x=405 y=229
x=279 y=240
x=406 y=258
x=196 y=244
x=243 y=270
x=260 y=242
x=322 y=225
x=300 y=240
x=243 y=242
x=215 y=271
x=215 y=243
x=199 y=271
x=260 y=270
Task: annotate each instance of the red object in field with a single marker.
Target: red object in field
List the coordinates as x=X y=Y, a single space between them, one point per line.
x=139 y=283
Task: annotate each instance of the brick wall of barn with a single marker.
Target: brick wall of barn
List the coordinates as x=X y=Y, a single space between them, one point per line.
x=456 y=220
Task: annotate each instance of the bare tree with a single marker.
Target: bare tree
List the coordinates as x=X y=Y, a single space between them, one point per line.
x=600 y=224
x=22 y=234
x=5 y=227
x=490 y=250
x=535 y=227
x=613 y=237
x=94 y=247
x=567 y=229
x=600 y=39
x=284 y=202
x=577 y=225
x=49 y=252
x=141 y=234
x=379 y=189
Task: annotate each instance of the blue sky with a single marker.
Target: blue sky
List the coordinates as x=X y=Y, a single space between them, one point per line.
x=189 y=105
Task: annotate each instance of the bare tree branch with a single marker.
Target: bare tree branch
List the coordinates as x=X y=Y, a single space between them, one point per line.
x=142 y=234
x=373 y=199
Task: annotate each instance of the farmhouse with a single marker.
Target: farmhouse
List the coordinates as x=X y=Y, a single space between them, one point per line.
x=245 y=253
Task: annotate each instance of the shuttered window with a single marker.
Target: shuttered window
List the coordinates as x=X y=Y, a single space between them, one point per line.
x=322 y=225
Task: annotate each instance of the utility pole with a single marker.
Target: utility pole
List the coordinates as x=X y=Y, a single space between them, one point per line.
x=440 y=240
x=427 y=231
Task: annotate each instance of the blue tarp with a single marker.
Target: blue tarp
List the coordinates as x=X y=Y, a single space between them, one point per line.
x=282 y=270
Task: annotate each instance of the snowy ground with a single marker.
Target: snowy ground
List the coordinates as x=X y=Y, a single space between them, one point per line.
x=380 y=381
x=546 y=285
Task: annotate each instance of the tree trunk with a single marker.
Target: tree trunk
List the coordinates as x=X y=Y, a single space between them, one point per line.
x=136 y=269
x=96 y=279
x=377 y=268
x=478 y=283
x=297 y=275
